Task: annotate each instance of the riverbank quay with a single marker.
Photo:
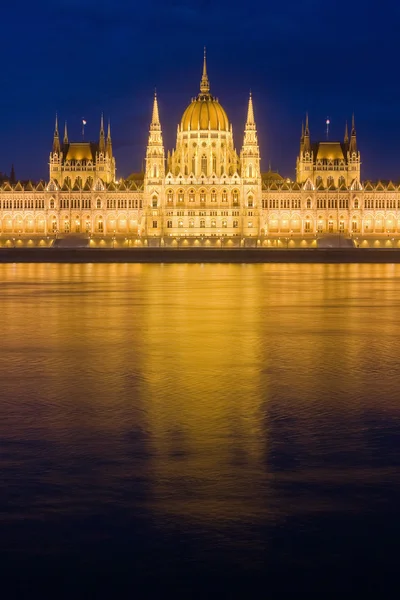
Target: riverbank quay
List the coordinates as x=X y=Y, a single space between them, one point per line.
x=193 y=255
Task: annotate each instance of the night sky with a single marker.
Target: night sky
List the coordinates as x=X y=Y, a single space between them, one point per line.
x=82 y=57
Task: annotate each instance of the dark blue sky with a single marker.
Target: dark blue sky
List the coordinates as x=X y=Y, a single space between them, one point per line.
x=82 y=57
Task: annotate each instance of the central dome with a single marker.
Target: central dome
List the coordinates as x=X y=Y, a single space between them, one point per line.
x=204 y=112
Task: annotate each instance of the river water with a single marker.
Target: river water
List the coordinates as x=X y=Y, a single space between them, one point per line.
x=206 y=429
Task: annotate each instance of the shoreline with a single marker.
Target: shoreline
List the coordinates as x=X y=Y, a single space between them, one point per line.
x=192 y=255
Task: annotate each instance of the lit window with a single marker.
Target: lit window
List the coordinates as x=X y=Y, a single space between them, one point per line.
x=154 y=224
x=204 y=164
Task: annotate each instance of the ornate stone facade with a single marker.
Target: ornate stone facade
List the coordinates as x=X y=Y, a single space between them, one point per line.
x=203 y=193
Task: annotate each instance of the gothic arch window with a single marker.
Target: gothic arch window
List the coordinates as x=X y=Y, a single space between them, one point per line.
x=356 y=203
x=330 y=180
x=204 y=164
x=308 y=203
x=202 y=223
x=214 y=163
x=250 y=170
x=202 y=196
x=191 y=195
x=191 y=223
x=307 y=225
x=52 y=203
x=224 y=223
x=193 y=164
x=180 y=196
x=155 y=171
x=98 y=203
x=100 y=226
x=170 y=196
x=213 y=223
x=154 y=201
x=169 y=224
x=250 y=201
x=54 y=225
x=180 y=224
x=213 y=196
x=235 y=196
x=224 y=196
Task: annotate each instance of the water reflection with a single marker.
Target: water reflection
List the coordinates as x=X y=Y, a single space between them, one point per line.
x=216 y=395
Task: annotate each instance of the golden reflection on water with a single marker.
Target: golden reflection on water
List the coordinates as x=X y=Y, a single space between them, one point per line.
x=213 y=387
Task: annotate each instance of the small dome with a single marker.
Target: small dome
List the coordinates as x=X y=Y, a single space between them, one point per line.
x=204 y=112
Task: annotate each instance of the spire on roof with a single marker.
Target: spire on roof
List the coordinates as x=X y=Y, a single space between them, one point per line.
x=204 y=83
x=65 y=133
x=250 y=123
x=12 y=175
x=102 y=145
x=155 y=119
x=307 y=131
x=109 y=143
x=306 y=137
x=56 y=139
x=353 y=140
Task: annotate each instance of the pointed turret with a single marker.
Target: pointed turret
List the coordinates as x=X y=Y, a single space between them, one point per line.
x=250 y=123
x=102 y=144
x=250 y=154
x=155 y=158
x=109 y=142
x=65 y=133
x=346 y=134
x=56 y=138
x=155 y=118
x=353 y=140
x=306 y=137
x=204 y=83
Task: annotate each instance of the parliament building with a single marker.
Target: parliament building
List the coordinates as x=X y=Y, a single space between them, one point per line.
x=203 y=193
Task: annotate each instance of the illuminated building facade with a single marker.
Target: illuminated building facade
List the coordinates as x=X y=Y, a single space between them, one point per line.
x=203 y=192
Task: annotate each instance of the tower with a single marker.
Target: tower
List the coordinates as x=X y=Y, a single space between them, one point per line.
x=353 y=155
x=250 y=173
x=155 y=158
x=250 y=154
x=304 y=166
x=154 y=176
x=56 y=155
